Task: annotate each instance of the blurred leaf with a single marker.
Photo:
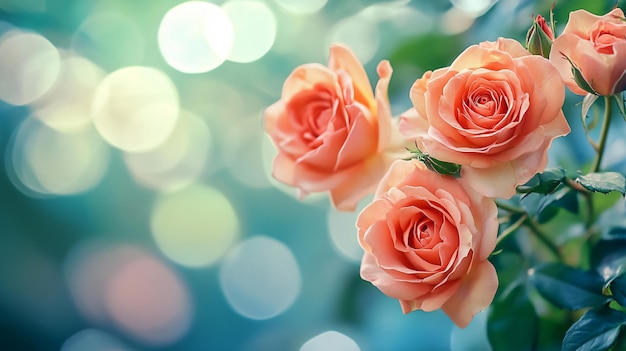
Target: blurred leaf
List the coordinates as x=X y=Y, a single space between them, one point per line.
x=547 y=213
x=544 y=183
x=608 y=257
x=567 y=287
x=567 y=199
x=618 y=289
x=509 y=265
x=347 y=305
x=563 y=8
x=513 y=311
x=603 y=182
x=441 y=48
x=596 y=330
x=616 y=233
x=620 y=342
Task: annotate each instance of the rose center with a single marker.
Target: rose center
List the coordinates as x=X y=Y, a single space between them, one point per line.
x=310 y=112
x=604 y=43
x=483 y=99
x=422 y=234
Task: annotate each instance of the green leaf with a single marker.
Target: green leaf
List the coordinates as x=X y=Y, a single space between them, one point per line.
x=441 y=167
x=620 y=343
x=544 y=183
x=567 y=287
x=619 y=99
x=545 y=207
x=603 y=182
x=563 y=198
x=608 y=257
x=513 y=311
x=618 y=289
x=596 y=330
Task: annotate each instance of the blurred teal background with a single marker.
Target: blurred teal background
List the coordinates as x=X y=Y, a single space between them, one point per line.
x=137 y=208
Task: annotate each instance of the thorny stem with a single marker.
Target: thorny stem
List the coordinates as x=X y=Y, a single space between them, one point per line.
x=599 y=147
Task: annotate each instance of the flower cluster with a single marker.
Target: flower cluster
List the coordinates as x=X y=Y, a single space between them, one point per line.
x=477 y=130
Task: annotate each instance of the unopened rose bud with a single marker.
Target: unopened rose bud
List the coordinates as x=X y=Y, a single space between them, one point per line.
x=539 y=37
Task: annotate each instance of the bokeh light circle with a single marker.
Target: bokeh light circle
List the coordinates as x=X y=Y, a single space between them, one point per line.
x=136 y=108
x=343 y=234
x=67 y=106
x=195 y=37
x=254 y=27
x=330 y=341
x=178 y=161
x=124 y=285
x=474 y=8
x=44 y=161
x=194 y=226
x=93 y=340
x=302 y=6
x=29 y=67
x=148 y=301
x=358 y=32
x=260 y=278
x=110 y=38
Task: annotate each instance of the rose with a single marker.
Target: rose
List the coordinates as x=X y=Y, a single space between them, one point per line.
x=494 y=111
x=426 y=239
x=332 y=134
x=596 y=47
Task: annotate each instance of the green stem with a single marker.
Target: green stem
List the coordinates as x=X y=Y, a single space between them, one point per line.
x=531 y=224
x=588 y=200
x=512 y=228
x=534 y=227
x=603 y=134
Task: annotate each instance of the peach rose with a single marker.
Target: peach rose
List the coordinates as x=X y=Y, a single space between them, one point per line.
x=427 y=239
x=494 y=111
x=596 y=46
x=332 y=134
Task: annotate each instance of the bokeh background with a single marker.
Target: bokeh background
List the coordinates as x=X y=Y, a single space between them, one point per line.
x=137 y=209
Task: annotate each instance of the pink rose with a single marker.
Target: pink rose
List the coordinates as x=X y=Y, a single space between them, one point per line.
x=331 y=132
x=427 y=239
x=596 y=46
x=494 y=111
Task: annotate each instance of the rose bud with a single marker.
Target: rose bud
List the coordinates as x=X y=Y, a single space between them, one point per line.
x=539 y=37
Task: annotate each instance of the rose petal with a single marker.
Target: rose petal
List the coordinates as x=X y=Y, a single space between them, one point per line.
x=400 y=290
x=342 y=58
x=383 y=109
x=474 y=295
